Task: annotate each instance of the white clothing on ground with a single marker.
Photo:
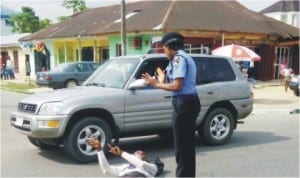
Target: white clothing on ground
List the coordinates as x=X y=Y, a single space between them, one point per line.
x=135 y=164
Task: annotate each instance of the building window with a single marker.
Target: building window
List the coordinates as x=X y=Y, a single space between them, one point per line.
x=283 y=18
x=118 y=50
x=295 y=20
x=199 y=49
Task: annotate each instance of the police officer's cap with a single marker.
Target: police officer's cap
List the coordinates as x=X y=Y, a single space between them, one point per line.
x=173 y=39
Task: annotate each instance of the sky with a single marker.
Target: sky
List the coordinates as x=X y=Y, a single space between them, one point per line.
x=51 y=9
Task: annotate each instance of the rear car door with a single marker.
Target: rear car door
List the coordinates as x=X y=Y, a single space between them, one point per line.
x=206 y=85
x=226 y=79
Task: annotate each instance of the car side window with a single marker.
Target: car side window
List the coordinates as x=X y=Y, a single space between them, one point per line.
x=85 y=67
x=213 y=70
x=93 y=66
x=71 y=68
x=204 y=72
x=81 y=67
x=77 y=68
x=222 y=70
x=151 y=65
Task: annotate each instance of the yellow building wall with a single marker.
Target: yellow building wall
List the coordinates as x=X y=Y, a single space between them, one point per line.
x=67 y=50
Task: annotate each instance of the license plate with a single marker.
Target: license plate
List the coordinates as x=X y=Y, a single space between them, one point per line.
x=19 y=121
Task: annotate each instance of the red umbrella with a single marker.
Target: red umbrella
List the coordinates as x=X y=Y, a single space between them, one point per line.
x=237 y=53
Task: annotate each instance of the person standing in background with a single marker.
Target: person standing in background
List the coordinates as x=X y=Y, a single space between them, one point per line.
x=1 y=68
x=180 y=78
x=282 y=67
x=28 y=69
x=10 y=68
x=287 y=73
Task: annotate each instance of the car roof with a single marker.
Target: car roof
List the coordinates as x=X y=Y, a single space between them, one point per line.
x=79 y=62
x=147 y=56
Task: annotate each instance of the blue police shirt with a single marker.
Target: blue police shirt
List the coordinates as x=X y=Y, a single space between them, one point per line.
x=183 y=66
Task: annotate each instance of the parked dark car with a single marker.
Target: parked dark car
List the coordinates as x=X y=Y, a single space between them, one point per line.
x=294 y=84
x=66 y=75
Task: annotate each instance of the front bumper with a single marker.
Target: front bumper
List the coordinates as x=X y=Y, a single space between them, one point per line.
x=30 y=125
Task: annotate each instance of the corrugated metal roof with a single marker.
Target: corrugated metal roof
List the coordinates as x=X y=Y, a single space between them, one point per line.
x=283 y=6
x=227 y=16
x=11 y=40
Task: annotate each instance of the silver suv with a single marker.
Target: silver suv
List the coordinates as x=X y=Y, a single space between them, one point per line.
x=114 y=102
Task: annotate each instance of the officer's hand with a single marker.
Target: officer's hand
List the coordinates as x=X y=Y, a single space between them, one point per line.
x=149 y=79
x=115 y=150
x=95 y=143
x=160 y=75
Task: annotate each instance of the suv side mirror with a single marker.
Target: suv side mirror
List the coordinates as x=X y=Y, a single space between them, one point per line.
x=138 y=84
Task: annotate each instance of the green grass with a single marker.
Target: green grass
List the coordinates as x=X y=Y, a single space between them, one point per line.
x=18 y=87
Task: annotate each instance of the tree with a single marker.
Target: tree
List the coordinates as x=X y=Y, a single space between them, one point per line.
x=62 y=18
x=75 y=5
x=44 y=23
x=27 y=21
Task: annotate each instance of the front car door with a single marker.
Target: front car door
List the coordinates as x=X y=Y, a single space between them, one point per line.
x=148 y=108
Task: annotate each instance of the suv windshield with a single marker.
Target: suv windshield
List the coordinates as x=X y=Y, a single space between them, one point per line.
x=113 y=74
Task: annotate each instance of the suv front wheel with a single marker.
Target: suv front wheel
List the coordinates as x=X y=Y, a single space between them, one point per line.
x=76 y=144
x=218 y=126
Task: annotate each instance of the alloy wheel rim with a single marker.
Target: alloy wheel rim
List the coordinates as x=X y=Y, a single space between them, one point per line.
x=84 y=134
x=219 y=126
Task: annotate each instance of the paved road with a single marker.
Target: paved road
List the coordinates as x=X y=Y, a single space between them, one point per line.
x=265 y=146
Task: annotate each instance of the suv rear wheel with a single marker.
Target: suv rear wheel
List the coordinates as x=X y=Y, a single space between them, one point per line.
x=218 y=127
x=76 y=144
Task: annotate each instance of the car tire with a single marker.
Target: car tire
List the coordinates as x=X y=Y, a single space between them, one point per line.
x=42 y=145
x=218 y=127
x=75 y=141
x=71 y=83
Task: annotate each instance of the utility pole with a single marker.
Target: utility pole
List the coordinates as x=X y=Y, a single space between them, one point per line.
x=123 y=28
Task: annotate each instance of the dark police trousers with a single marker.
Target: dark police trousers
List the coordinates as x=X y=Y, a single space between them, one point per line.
x=186 y=109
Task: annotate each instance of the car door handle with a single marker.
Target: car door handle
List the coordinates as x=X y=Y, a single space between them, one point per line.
x=210 y=92
x=168 y=97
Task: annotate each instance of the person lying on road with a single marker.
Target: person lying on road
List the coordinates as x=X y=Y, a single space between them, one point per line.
x=139 y=165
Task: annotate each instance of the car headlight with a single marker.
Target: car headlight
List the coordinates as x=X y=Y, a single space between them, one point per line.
x=50 y=108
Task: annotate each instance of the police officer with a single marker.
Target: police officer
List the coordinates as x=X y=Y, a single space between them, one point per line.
x=180 y=78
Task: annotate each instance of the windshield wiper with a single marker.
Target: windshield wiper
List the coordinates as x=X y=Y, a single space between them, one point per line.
x=96 y=84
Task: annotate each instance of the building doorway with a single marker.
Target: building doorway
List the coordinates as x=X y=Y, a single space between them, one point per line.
x=87 y=53
x=41 y=57
x=283 y=58
x=103 y=54
x=16 y=61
